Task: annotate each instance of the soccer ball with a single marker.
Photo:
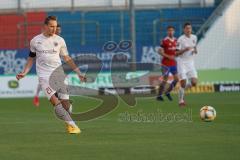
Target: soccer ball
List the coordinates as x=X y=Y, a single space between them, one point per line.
x=207 y=113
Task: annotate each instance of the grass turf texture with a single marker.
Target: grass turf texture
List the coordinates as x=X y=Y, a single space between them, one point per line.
x=221 y=75
x=34 y=133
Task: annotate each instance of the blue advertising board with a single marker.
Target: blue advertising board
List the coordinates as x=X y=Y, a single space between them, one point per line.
x=13 y=61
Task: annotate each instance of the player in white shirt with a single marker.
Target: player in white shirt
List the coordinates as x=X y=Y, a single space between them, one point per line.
x=47 y=49
x=36 y=96
x=186 y=49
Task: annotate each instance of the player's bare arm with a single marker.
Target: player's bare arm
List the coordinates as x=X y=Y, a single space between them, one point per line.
x=195 y=51
x=74 y=67
x=162 y=53
x=180 y=52
x=26 y=69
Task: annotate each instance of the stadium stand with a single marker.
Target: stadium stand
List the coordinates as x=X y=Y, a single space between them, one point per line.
x=97 y=27
x=18 y=29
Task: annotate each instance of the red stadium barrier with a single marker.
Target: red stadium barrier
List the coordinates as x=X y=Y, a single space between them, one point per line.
x=14 y=33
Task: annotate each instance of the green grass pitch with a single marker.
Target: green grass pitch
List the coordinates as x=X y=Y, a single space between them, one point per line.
x=29 y=133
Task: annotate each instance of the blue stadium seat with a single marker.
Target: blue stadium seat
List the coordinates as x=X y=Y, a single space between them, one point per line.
x=102 y=26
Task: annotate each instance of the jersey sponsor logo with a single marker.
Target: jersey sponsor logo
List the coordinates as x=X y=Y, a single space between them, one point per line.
x=172 y=48
x=49 y=51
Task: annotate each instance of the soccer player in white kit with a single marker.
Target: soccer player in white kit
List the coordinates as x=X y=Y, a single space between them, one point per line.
x=39 y=88
x=186 y=49
x=47 y=49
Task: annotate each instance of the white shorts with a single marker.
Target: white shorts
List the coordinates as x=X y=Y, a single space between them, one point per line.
x=44 y=82
x=186 y=70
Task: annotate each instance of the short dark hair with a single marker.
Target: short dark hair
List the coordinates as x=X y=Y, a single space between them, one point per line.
x=170 y=27
x=50 y=18
x=58 y=25
x=186 y=24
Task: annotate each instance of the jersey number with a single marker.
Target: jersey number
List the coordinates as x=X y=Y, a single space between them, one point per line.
x=49 y=90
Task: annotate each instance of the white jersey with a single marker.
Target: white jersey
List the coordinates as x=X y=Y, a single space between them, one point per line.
x=185 y=62
x=48 y=51
x=184 y=42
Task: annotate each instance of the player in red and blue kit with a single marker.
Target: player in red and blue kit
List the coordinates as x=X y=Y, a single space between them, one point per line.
x=169 y=65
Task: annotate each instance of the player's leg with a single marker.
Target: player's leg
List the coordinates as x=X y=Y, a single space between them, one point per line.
x=36 y=97
x=192 y=76
x=67 y=105
x=60 y=111
x=182 y=92
x=173 y=70
x=64 y=99
x=183 y=80
x=62 y=114
x=189 y=73
x=161 y=89
x=191 y=82
x=38 y=90
x=184 y=85
x=194 y=81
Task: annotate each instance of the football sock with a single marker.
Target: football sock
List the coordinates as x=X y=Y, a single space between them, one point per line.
x=181 y=94
x=62 y=114
x=172 y=85
x=161 y=88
